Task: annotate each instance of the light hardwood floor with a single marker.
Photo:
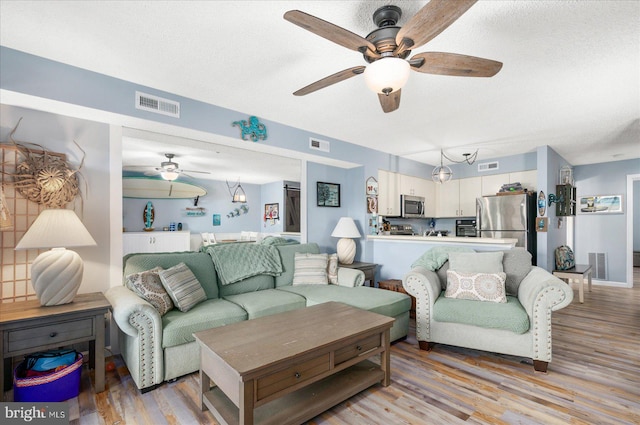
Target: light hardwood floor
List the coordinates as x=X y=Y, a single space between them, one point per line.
x=594 y=378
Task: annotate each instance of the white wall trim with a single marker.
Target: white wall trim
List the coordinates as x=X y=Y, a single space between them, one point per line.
x=630 y=179
x=609 y=283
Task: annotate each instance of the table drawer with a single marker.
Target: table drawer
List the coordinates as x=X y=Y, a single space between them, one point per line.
x=291 y=376
x=356 y=349
x=56 y=333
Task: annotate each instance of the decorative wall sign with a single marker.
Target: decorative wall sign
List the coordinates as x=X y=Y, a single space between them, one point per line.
x=372 y=186
x=542 y=204
x=542 y=224
x=372 y=204
x=241 y=210
x=252 y=129
x=600 y=204
x=271 y=211
x=328 y=194
x=148 y=214
x=216 y=219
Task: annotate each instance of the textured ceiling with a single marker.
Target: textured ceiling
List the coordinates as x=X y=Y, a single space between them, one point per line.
x=570 y=78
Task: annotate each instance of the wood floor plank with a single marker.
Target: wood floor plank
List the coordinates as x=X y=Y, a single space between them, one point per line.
x=594 y=377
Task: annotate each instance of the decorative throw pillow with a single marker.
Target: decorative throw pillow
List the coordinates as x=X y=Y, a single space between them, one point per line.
x=476 y=262
x=148 y=286
x=332 y=269
x=182 y=286
x=476 y=286
x=310 y=269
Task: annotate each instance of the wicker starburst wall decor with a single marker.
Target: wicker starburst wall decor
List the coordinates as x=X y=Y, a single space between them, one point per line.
x=44 y=177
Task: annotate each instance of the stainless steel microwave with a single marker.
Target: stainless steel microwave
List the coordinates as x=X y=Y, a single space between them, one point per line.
x=411 y=206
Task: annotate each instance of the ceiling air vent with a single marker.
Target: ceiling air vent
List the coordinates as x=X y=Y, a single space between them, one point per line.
x=488 y=166
x=319 y=145
x=148 y=102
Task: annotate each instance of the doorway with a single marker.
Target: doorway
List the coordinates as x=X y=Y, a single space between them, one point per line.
x=291 y=207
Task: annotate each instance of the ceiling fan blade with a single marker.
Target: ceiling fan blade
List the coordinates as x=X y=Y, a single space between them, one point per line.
x=454 y=64
x=329 y=31
x=194 y=171
x=430 y=21
x=390 y=102
x=331 y=79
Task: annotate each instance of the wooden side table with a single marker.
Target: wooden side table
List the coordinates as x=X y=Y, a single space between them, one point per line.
x=396 y=286
x=369 y=270
x=576 y=274
x=27 y=327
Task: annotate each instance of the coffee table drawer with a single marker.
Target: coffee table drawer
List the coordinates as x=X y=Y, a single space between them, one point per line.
x=292 y=375
x=55 y=333
x=356 y=349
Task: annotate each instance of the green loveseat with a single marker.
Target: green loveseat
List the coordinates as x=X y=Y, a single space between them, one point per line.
x=158 y=349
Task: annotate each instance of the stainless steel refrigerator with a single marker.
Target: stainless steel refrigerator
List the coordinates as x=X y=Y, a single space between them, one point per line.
x=508 y=216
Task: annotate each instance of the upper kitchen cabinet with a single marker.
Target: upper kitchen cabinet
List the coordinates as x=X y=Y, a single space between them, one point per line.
x=416 y=186
x=457 y=198
x=388 y=193
x=491 y=184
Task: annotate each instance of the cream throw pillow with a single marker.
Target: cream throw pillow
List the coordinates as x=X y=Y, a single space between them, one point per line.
x=148 y=286
x=182 y=286
x=332 y=269
x=310 y=269
x=476 y=286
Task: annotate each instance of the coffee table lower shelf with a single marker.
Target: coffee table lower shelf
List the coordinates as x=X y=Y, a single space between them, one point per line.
x=303 y=404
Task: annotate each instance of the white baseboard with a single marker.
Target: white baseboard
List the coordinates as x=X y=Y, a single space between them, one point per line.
x=609 y=283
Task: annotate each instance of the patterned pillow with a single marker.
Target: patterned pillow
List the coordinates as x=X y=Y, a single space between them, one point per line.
x=310 y=269
x=476 y=286
x=332 y=269
x=147 y=285
x=182 y=286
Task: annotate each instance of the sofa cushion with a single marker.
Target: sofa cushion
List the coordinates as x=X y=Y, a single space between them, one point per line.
x=148 y=286
x=287 y=253
x=199 y=263
x=252 y=284
x=332 y=269
x=476 y=262
x=310 y=269
x=377 y=300
x=182 y=286
x=509 y=316
x=517 y=264
x=267 y=302
x=178 y=327
x=476 y=286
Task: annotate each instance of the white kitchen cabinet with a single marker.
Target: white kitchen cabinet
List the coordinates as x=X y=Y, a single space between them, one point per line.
x=155 y=242
x=457 y=198
x=414 y=186
x=528 y=179
x=492 y=184
x=388 y=193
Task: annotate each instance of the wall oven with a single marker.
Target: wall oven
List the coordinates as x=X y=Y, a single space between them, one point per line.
x=411 y=206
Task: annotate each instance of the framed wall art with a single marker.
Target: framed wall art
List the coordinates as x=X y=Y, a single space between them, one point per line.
x=328 y=194
x=271 y=211
x=600 y=204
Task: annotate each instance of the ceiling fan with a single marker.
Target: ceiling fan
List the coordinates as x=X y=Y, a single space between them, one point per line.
x=386 y=49
x=169 y=170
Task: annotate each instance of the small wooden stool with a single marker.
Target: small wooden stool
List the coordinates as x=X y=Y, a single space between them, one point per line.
x=577 y=274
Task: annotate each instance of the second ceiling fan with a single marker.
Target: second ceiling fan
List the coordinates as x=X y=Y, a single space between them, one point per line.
x=386 y=49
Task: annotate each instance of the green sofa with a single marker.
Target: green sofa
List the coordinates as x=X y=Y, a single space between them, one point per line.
x=158 y=349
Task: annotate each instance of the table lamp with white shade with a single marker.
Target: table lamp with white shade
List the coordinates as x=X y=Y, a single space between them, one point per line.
x=346 y=230
x=56 y=274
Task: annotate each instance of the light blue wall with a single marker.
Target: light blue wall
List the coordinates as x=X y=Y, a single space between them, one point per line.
x=604 y=232
x=216 y=201
x=636 y=215
x=506 y=164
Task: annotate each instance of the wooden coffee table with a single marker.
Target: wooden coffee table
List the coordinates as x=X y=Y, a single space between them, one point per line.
x=290 y=367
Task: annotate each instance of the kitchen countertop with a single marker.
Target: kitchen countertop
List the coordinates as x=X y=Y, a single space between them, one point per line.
x=444 y=240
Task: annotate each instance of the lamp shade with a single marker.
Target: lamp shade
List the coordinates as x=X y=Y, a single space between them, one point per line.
x=442 y=174
x=387 y=75
x=56 y=275
x=169 y=175
x=346 y=228
x=239 y=195
x=56 y=228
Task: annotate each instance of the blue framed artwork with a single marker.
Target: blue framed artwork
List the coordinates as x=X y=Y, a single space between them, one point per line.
x=216 y=219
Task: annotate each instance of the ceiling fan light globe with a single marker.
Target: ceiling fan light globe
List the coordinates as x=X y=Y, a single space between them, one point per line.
x=169 y=175
x=387 y=75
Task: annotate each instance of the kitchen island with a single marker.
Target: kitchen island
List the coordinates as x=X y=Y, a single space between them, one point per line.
x=396 y=253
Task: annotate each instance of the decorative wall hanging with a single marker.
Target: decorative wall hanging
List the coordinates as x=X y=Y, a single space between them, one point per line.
x=195 y=211
x=542 y=224
x=252 y=129
x=5 y=216
x=148 y=215
x=45 y=177
x=372 y=186
x=271 y=213
x=243 y=209
x=542 y=204
x=328 y=194
x=600 y=204
x=216 y=219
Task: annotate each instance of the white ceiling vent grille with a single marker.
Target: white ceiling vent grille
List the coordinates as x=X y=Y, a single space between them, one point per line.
x=148 y=102
x=319 y=145
x=488 y=166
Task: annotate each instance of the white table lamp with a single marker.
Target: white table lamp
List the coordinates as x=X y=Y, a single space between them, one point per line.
x=346 y=230
x=56 y=274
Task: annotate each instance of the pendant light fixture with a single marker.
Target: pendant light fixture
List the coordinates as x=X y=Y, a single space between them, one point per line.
x=238 y=195
x=443 y=174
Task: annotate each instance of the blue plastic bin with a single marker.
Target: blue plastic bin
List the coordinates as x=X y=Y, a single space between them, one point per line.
x=53 y=387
